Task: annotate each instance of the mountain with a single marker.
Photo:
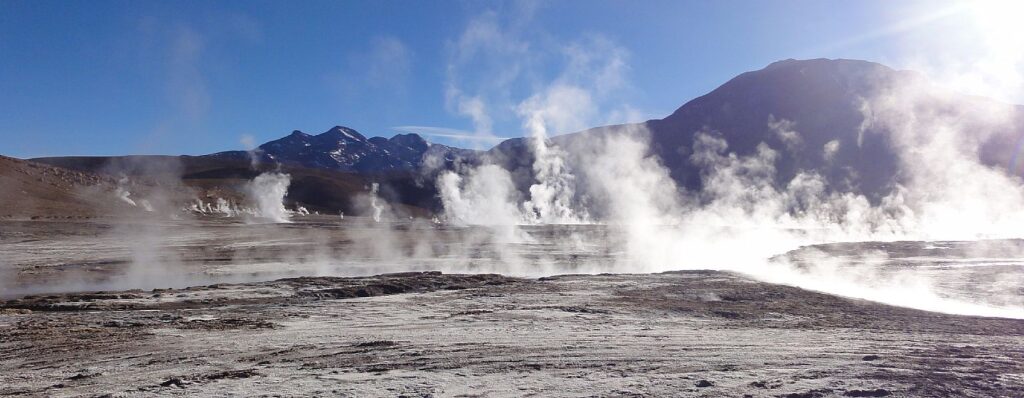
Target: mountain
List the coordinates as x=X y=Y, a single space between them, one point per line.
x=345 y=149
x=821 y=99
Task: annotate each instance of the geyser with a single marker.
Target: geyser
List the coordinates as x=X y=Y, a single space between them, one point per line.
x=268 y=190
x=744 y=217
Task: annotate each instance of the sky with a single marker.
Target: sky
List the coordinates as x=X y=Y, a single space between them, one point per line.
x=159 y=77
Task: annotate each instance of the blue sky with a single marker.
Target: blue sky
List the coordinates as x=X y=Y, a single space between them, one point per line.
x=147 y=77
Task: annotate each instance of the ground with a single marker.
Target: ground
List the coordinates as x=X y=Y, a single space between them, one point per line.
x=687 y=333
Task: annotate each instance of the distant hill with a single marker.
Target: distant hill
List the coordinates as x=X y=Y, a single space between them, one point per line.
x=30 y=190
x=220 y=176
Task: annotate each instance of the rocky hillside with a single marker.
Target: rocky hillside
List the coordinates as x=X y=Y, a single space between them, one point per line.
x=30 y=190
x=345 y=149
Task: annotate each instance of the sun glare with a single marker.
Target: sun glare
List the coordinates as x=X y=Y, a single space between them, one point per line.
x=1000 y=23
x=992 y=64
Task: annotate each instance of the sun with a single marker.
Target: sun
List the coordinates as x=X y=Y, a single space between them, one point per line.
x=999 y=21
x=1001 y=38
x=989 y=36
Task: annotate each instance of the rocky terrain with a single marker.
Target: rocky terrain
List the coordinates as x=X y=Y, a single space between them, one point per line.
x=215 y=307
x=430 y=334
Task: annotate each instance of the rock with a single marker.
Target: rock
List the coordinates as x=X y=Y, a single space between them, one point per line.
x=817 y=393
x=704 y=383
x=116 y=323
x=878 y=392
x=80 y=376
x=174 y=381
x=767 y=384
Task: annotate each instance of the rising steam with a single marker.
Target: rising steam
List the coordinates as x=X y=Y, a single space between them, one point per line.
x=268 y=190
x=376 y=204
x=744 y=217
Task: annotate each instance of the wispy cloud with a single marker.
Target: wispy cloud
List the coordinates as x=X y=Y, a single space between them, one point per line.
x=186 y=83
x=503 y=68
x=485 y=63
x=445 y=132
x=384 y=65
x=387 y=63
x=186 y=58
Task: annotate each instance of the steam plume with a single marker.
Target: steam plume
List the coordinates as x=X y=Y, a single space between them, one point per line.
x=268 y=191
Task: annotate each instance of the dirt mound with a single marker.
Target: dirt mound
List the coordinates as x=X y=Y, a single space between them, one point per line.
x=38 y=191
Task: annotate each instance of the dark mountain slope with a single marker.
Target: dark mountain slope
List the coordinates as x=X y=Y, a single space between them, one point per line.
x=821 y=99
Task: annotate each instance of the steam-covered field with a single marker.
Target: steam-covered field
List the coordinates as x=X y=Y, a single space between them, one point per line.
x=71 y=256
x=705 y=330
x=974 y=277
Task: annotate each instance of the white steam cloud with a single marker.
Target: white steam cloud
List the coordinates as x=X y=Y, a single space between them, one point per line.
x=744 y=218
x=376 y=204
x=483 y=196
x=268 y=190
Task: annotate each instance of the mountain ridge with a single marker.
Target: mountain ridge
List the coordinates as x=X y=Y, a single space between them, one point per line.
x=345 y=149
x=820 y=100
